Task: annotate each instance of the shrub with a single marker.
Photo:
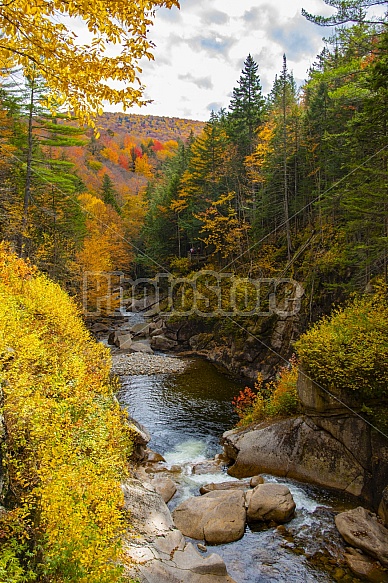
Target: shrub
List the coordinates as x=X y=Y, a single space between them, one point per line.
x=67 y=441
x=277 y=398
x=349 y=350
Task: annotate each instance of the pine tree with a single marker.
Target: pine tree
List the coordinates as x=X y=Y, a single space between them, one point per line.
x=206 y=177
x=109 y=195
x=347 y=11
x=52 y=222
x=246 y=108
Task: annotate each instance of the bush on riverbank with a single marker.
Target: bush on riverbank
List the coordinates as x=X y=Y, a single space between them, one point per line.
x=277 y=398
x=67 y=443
x=349 y=349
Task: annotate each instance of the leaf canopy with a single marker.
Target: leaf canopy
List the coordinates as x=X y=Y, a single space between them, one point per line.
x=39 y=36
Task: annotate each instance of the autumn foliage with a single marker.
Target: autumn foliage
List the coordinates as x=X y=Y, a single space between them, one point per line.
x=349 y=349
x=277 y=398
x=34 y=35
x=67 y=440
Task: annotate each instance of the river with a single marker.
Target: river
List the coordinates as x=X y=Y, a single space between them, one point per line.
x=186 y=414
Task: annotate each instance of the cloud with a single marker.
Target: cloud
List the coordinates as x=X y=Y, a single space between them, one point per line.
x=214 y=45
x=214 y=17
x=260 y=17
x=202 y=82
x=172 y=15
x=296 y=37
x=214 y=106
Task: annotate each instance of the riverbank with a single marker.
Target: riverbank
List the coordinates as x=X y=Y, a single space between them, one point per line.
x=140 y=364
x=181 y=415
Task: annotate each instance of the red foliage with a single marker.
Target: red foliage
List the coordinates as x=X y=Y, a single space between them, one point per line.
x=243 y=401
x=123 y=161
x=157 y=146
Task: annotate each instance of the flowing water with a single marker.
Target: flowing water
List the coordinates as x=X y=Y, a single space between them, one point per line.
x=186 y=414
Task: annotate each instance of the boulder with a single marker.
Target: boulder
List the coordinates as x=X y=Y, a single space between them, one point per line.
x=361 y=529
x=140 y=438
x=208 y=467
x=162 y=343
x=165 y=487
x=217 y=517
x=235 y=485
x=112 y=338
x=270 y=502
x=295 y=448
x=364 y=567
x=154 y=457
x=98 y=327
x=141 y=330
x=156 y=552
x=123 y=341
x=383 y=507
x=156 y=332
x=141 y=347
x=256 y=480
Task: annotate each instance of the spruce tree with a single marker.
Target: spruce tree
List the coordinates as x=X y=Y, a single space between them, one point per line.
x=108 y=193
x=52 y=223
x=246 y=108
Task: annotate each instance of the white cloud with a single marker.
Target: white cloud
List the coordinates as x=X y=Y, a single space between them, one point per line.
x=200 y=51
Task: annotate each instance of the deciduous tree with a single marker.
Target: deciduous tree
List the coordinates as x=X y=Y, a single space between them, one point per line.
x=38 y=34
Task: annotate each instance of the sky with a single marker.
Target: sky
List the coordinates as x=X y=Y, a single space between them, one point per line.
x=201 y=48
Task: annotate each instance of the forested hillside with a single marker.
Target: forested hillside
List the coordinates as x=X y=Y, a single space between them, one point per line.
x=73 y=199
x=292 y=184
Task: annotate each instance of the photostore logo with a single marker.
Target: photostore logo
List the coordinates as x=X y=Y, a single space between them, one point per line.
x=206 y=294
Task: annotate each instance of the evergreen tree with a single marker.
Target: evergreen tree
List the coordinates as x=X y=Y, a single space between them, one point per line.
x=246 y=108
x=164 y=230
x=109 y=195
x=348 y=11
x=206 y=177
x=51 y=223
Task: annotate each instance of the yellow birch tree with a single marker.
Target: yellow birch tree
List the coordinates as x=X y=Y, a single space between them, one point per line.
x=39 y=35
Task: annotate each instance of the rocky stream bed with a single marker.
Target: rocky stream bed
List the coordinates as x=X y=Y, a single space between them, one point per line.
x=252 y=546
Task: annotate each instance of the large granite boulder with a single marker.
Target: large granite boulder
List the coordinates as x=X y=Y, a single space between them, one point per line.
x=162 y=343
x=217 y=517
x=270 y=502
x=361 y=529
x=295 y=448
x=365 y=567
x=157 y=551
x=164 y=486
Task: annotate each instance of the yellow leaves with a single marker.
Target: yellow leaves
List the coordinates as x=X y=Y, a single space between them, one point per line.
x=32 y=32
x=67 y=443
x=349 y=350
x=142 y=166
x=256 y=161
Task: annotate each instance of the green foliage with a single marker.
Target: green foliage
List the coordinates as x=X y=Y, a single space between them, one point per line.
x=349 y=350
x=67 y=439
x=109 y=195
x=246 y=108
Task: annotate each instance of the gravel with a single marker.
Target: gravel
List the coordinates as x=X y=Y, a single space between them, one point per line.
x=147 y=364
